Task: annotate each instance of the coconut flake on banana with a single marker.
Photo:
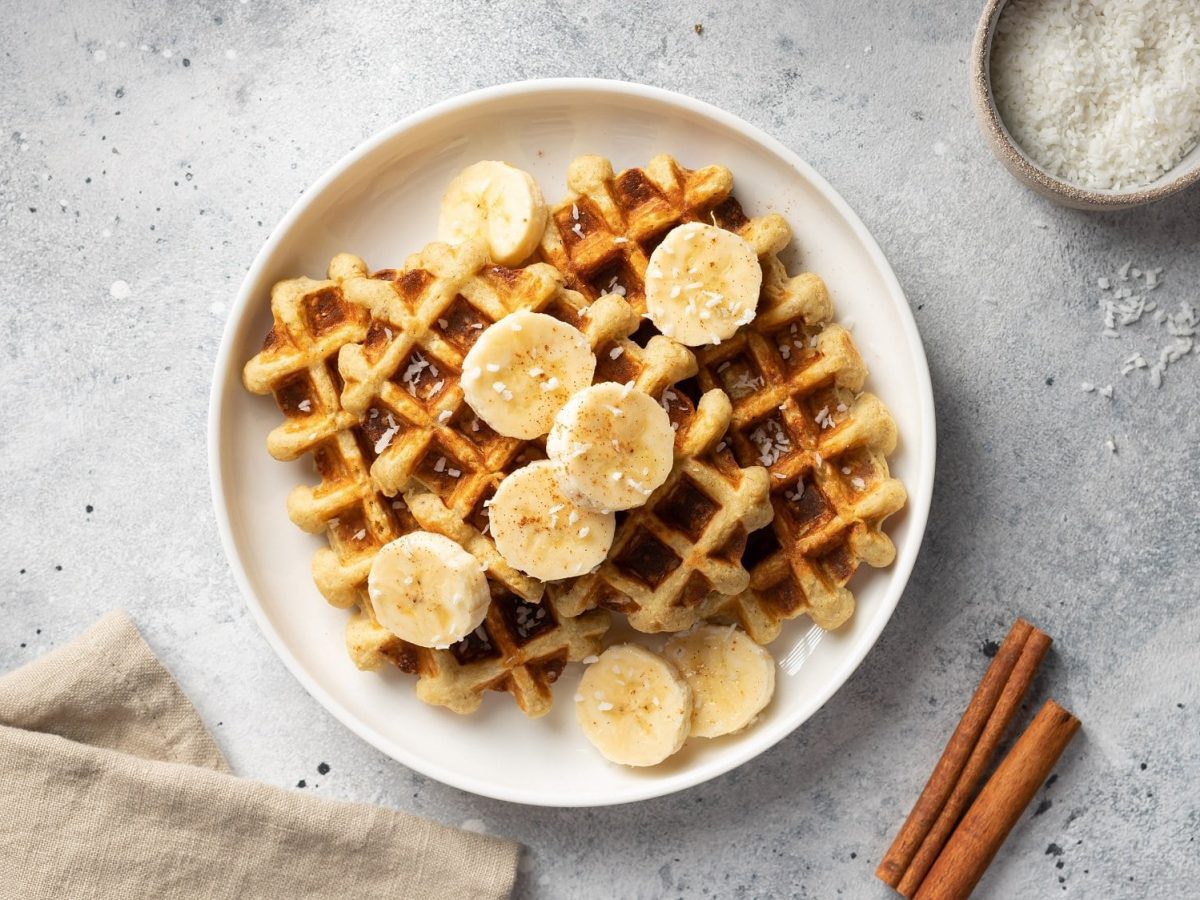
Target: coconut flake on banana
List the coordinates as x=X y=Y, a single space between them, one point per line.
x=732 y=678
x=538 y=530
x=427 y=590
x=613 y=446
x=702 y=284
x=522 y=369
x=633 y=706
x=499 y=203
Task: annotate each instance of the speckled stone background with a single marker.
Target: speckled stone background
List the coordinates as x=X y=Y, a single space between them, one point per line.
x=149 y=148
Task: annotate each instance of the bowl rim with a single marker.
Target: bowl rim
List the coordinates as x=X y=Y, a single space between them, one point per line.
x=1014 y=156
x=917 y=508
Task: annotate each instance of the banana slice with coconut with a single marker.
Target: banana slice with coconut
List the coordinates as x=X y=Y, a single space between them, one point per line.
x=732 y=678
x=540 y=531
x=633 y=706
x=498 y=202
x=523 y=369
x=613 y=445
x=702 y=284
x=427 y=590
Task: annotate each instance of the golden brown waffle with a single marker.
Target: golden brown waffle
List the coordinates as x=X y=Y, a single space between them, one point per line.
x=517 y=649
x=521 y=647
x=403 y=379
x=687 y=542
x=297 y=364
x=797 y=409
x=601 y=236
x=366 y=368
x=426 y=435
x=313 y=320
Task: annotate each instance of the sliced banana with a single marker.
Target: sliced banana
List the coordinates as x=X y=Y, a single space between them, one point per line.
x=522 y=370
x=702 y=284
x=499 y=203
x=731 y=677
x=427 y=590
x=633 y=706
x=541 y=532
x=613 y=444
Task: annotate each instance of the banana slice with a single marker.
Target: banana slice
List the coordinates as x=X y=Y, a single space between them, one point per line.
x=499 y=203
x=633 y=706
x=614 y=445
x=732 y=678
x=427 y=590
x=522 y=370
x=702 y=284
x=542 y=533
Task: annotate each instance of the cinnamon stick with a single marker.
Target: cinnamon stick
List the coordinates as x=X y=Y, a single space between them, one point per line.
x=999 y=805
x=1036 y=646
x=949 y=768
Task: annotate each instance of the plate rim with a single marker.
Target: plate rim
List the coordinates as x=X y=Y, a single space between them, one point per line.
x=918 y=502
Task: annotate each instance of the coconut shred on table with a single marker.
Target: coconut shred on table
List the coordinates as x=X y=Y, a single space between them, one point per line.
x=1124 y=301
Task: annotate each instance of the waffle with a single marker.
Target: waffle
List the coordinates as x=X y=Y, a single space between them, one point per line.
x=365 y=368
x=797 y=409
x=402 y=380
x=601 y=236
x=517 y=649
x=687 y=542
x=313 y=320
x=521 y=647
x=429 y=439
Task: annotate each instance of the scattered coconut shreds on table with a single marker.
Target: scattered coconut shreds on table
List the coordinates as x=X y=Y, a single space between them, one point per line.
x=1124 y=302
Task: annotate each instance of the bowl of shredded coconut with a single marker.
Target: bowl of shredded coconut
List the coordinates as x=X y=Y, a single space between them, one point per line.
x=1093 y=103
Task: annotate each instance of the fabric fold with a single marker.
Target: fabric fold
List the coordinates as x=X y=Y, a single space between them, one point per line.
x=113 y=787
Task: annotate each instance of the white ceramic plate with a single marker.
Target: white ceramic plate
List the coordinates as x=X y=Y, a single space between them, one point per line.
x=381 y=202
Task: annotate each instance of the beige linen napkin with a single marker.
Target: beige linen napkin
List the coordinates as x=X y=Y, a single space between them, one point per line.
x=110 y=786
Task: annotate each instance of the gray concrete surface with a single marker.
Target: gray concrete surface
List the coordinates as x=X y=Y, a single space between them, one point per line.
x=156 y=145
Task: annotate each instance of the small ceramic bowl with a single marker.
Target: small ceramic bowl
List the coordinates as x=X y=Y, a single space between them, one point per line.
x=1185 y=173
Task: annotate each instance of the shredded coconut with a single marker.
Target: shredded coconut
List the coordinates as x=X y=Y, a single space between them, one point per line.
x=385 y=439
x=1101 y=93
x=1124 y=303
x=412 y=374
x=743 y=385
x=771 y=441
